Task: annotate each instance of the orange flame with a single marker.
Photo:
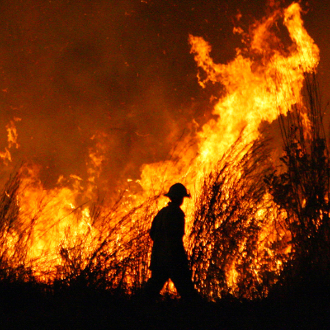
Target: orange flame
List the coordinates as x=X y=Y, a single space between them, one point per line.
x=12 y=141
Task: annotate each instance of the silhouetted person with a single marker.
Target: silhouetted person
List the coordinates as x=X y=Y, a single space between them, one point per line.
x=168 y=258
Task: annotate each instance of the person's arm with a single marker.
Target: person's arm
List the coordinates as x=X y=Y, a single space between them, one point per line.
x=155 y=226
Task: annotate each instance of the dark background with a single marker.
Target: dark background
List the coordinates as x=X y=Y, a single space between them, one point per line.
x=73 y=68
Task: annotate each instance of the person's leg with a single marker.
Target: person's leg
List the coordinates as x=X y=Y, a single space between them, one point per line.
x=181 y=278
x=155 y=283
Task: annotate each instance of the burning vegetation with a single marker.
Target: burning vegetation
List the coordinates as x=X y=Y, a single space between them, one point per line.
x=255 y=219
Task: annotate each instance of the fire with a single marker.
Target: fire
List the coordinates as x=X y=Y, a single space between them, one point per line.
x=12 y=141
x=260 y=83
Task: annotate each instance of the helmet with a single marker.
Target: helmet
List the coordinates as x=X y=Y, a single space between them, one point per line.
x=177 y=190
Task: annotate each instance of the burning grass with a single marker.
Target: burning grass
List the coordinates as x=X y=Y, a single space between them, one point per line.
x=239 y=245
x=109 y=253
x=112 y=251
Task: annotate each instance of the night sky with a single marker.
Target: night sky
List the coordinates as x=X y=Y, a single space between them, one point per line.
x=73 y=68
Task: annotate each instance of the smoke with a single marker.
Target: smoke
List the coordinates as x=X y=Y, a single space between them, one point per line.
x=83 y=74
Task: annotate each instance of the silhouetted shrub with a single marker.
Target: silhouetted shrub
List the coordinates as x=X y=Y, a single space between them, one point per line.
x=301 y=188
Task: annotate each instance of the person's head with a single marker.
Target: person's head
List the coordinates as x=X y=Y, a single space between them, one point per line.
x=177 y=192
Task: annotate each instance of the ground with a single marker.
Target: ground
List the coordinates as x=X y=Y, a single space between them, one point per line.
x=25 y=307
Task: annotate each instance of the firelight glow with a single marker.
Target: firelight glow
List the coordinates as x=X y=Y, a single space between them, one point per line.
x=260 y=83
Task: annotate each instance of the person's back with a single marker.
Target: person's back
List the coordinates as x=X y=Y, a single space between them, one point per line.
x=167 y=232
